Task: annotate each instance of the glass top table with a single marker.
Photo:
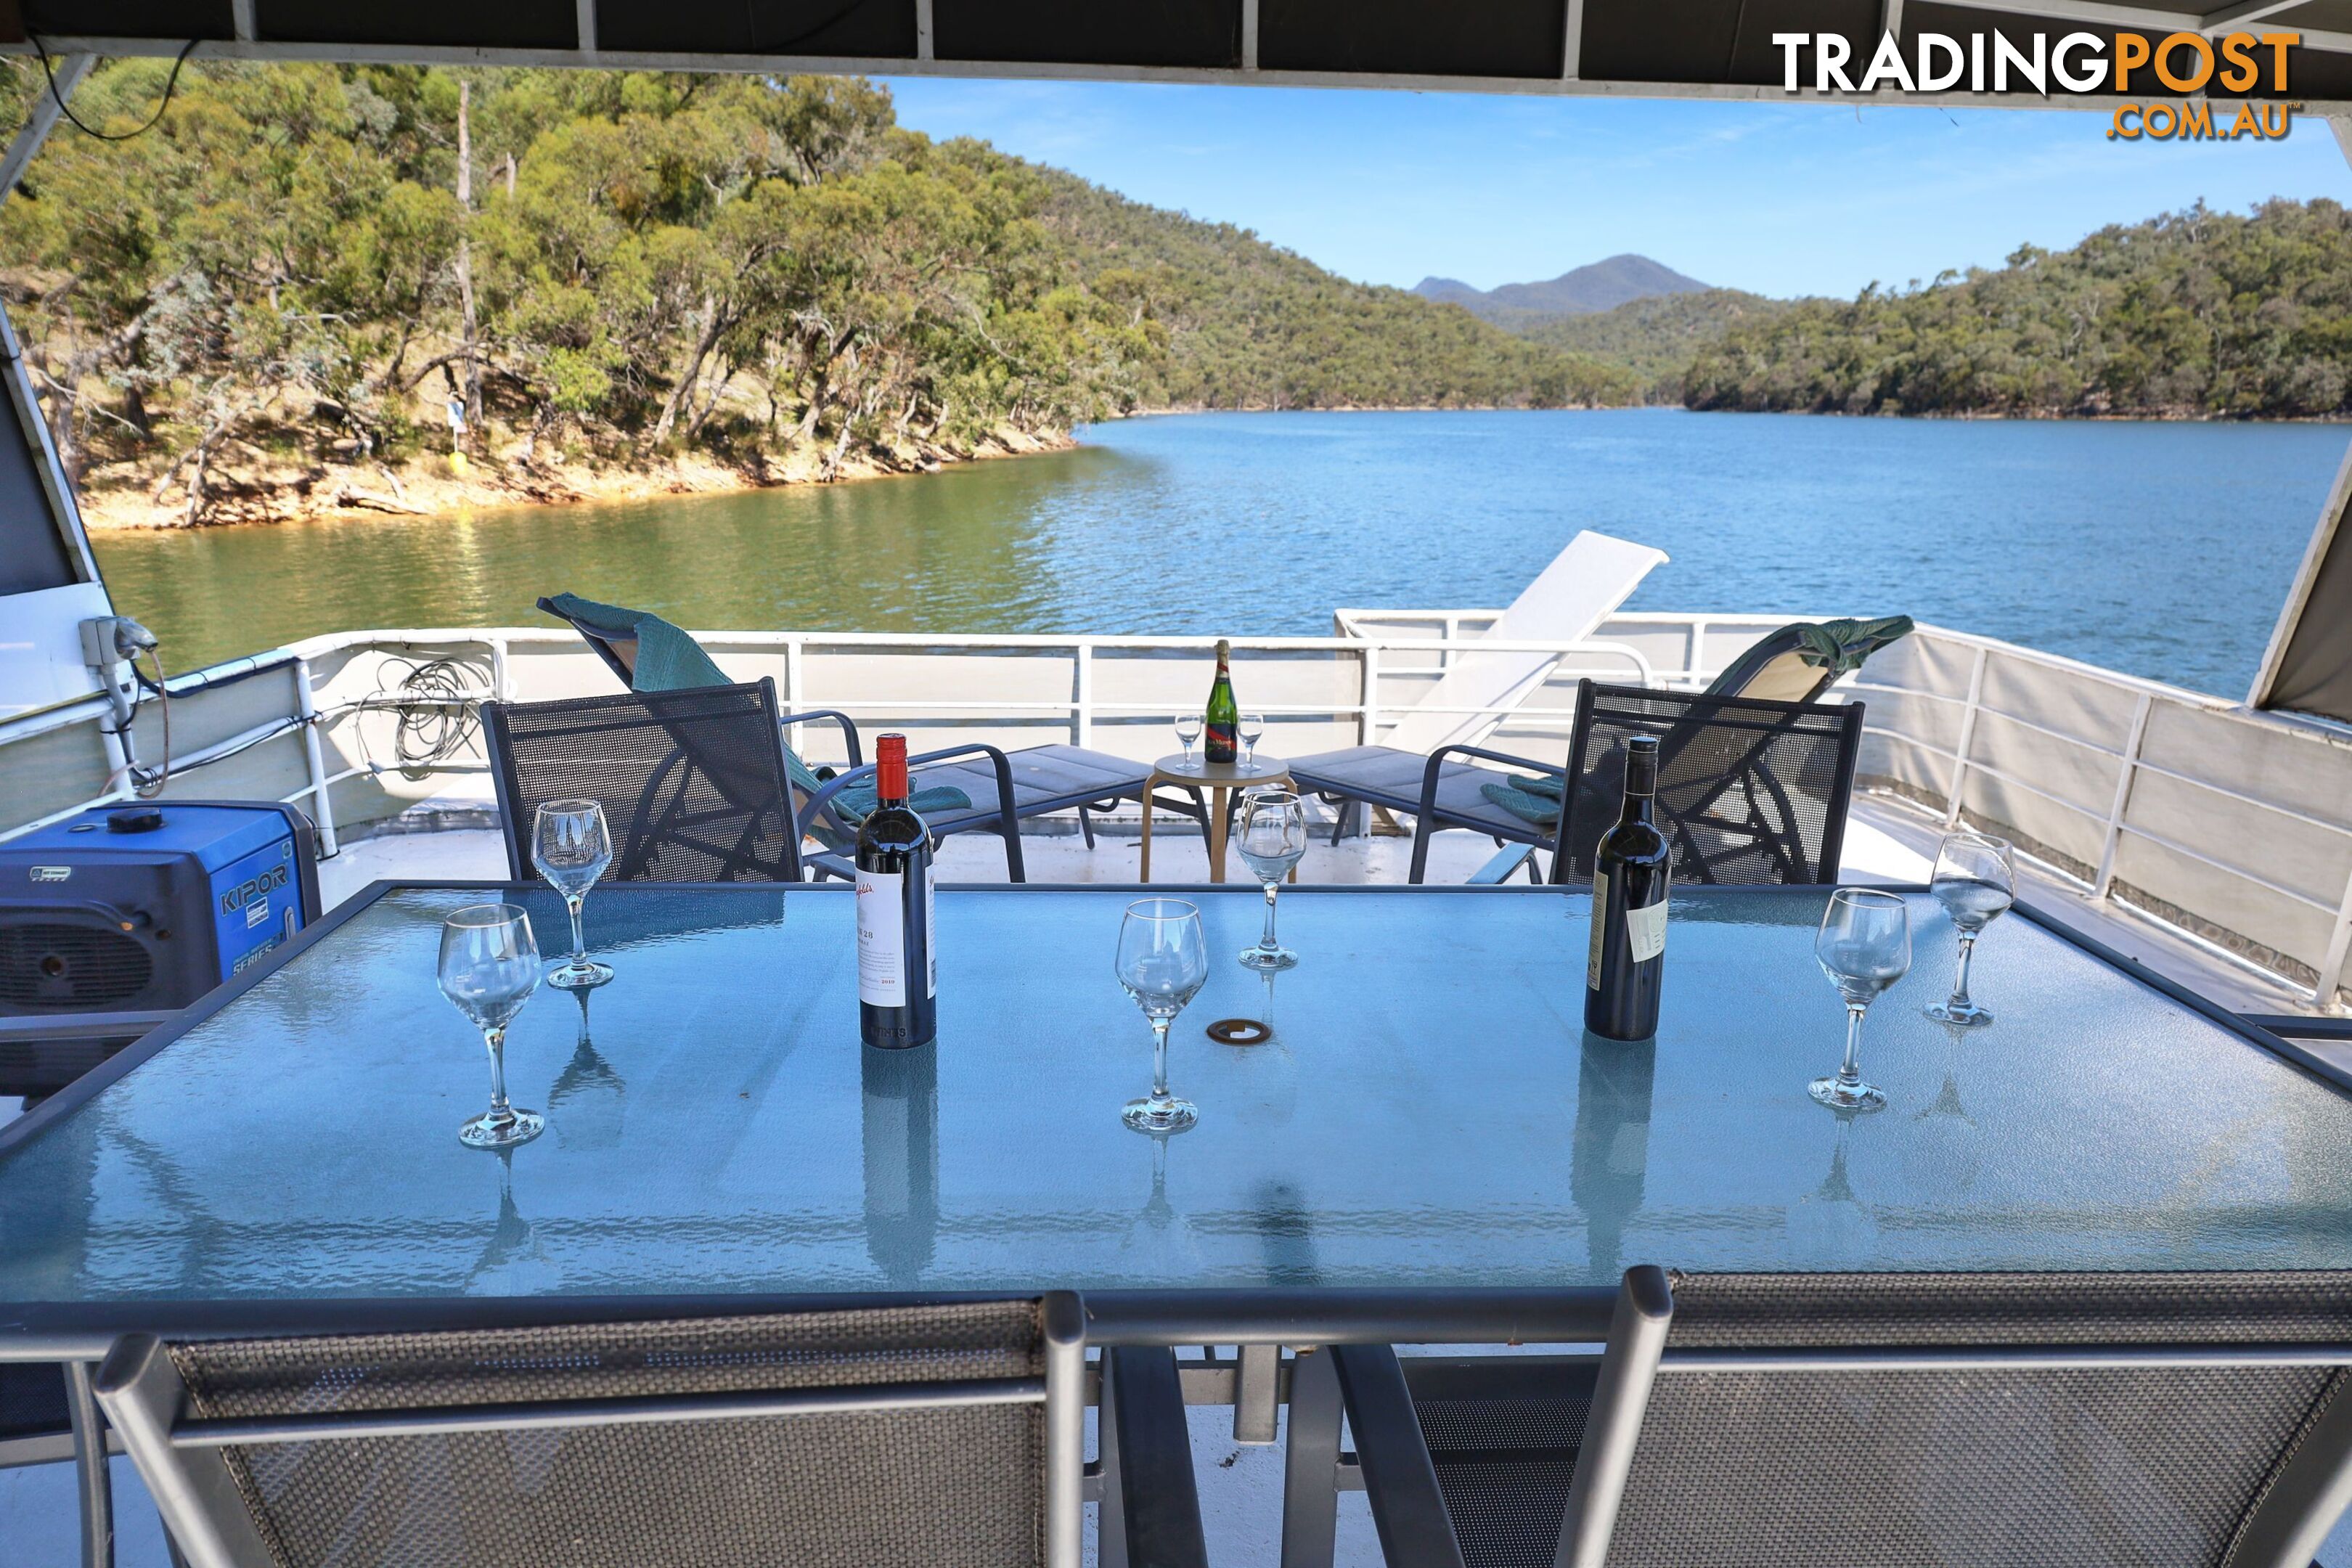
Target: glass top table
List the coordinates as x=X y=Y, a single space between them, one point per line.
x=1428 y=1114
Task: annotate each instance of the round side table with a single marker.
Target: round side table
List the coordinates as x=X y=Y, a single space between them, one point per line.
x=1221 y=779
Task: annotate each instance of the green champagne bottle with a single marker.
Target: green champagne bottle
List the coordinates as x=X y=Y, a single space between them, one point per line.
x=1221 y=722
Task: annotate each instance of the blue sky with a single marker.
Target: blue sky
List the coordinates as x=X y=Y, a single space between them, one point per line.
x=1782 y=198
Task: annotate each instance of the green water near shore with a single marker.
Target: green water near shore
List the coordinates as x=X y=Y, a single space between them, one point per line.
x=2159 y=549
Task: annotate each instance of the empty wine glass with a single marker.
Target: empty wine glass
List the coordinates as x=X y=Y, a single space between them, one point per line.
x=1253 y=726
x=1272 y=838
x=1976 y=881
x=571 y=845
x=1188 y=729
x=1163 y=961
x=489 y=963
x=1864 y=946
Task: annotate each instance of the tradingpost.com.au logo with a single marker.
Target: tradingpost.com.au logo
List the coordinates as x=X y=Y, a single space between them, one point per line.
x=2076 y=63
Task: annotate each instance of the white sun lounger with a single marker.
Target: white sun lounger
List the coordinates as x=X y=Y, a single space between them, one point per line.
x=1567 y=602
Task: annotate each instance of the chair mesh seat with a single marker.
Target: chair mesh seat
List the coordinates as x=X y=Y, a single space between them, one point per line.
x=691 y=782
x=1503 y=1466
x=2132 y=1467
x=955 y=1485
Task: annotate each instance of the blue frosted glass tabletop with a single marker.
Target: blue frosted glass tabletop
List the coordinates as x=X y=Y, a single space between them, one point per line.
x=1428 y=1112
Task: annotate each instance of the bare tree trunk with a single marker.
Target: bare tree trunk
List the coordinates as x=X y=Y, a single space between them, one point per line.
x=473 y=383
x=715 y=323
x=722 y=373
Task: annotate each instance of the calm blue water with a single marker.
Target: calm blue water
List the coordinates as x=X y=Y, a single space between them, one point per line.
x=2163 y=549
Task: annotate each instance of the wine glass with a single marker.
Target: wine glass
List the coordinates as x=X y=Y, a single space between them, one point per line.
x=489 y=963
x=571 y=846
x=1253 y=726
x=1163 y=961
x=1272 y=838
x=1864 y=946
x=1976 y=881
x=1188 y=729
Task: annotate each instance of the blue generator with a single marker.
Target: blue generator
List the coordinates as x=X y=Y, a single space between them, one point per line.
x=144 y=908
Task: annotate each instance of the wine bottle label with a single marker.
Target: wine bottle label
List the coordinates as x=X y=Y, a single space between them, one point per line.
x=1645 y=933
x=1599 y=922
x=931 y=933
x=881 y=939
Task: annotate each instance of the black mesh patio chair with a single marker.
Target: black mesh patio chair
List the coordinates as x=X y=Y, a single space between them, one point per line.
x=1859 y=1420
x=1748 y=791
x=692 y=782
x=1445 y=788
x=958 y=789
x=945 y=1435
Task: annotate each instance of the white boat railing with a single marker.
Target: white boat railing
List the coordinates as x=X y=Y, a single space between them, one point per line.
x=2227 y=822
x=2232 y=825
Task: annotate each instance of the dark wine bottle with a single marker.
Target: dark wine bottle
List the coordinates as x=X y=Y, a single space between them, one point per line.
x=898 y=973
x=1221 y=722
x=1627 y=967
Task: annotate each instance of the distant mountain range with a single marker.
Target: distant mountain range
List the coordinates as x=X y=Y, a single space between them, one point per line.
x=1584 y=292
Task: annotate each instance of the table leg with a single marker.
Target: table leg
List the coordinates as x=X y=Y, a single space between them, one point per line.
x=1148 y=791
x=1215 y=827
x=1311 y=1492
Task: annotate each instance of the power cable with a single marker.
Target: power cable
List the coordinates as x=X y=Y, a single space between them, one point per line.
x=171 y=85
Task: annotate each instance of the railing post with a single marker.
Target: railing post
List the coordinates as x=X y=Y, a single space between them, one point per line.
x=1695 y=667
x=501 y=681
x=1084 y=724
x=1967 y=737
x=1445 y=648
x=322 y=810
x=2127 y=769
x=2339 y=943
x=1369 y=719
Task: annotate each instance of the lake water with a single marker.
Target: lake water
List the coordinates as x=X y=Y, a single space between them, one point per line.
x=2163 y=549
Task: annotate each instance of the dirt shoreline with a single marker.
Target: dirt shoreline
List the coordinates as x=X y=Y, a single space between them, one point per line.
x=435 y=486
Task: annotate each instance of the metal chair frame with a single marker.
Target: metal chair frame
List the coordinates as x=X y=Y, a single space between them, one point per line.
x=2289 y=1520
x=655 y=820
x=1701 y=712
x=818 y=816
x=182 y=1462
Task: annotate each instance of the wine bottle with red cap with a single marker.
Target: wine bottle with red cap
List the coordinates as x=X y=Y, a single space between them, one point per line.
x=898 y=974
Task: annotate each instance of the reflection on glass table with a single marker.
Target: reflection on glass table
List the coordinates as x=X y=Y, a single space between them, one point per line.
x=1427 y=1114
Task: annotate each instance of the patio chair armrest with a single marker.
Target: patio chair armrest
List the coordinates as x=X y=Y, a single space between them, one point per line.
x=821 y=803
x=1504 y=866
x=822 y=800
x=848 y=727
x=1436 y=765
x=1399 y=1481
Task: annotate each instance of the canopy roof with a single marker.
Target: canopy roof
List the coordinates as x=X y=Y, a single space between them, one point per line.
x=1682 y=49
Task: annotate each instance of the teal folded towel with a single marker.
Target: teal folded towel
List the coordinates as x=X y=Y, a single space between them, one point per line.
x=1527 y=807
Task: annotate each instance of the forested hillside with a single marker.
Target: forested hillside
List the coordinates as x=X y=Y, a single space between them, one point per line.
x=2192 y=314
x=266 y=303
x=1656 y=340
x=1251 y=326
